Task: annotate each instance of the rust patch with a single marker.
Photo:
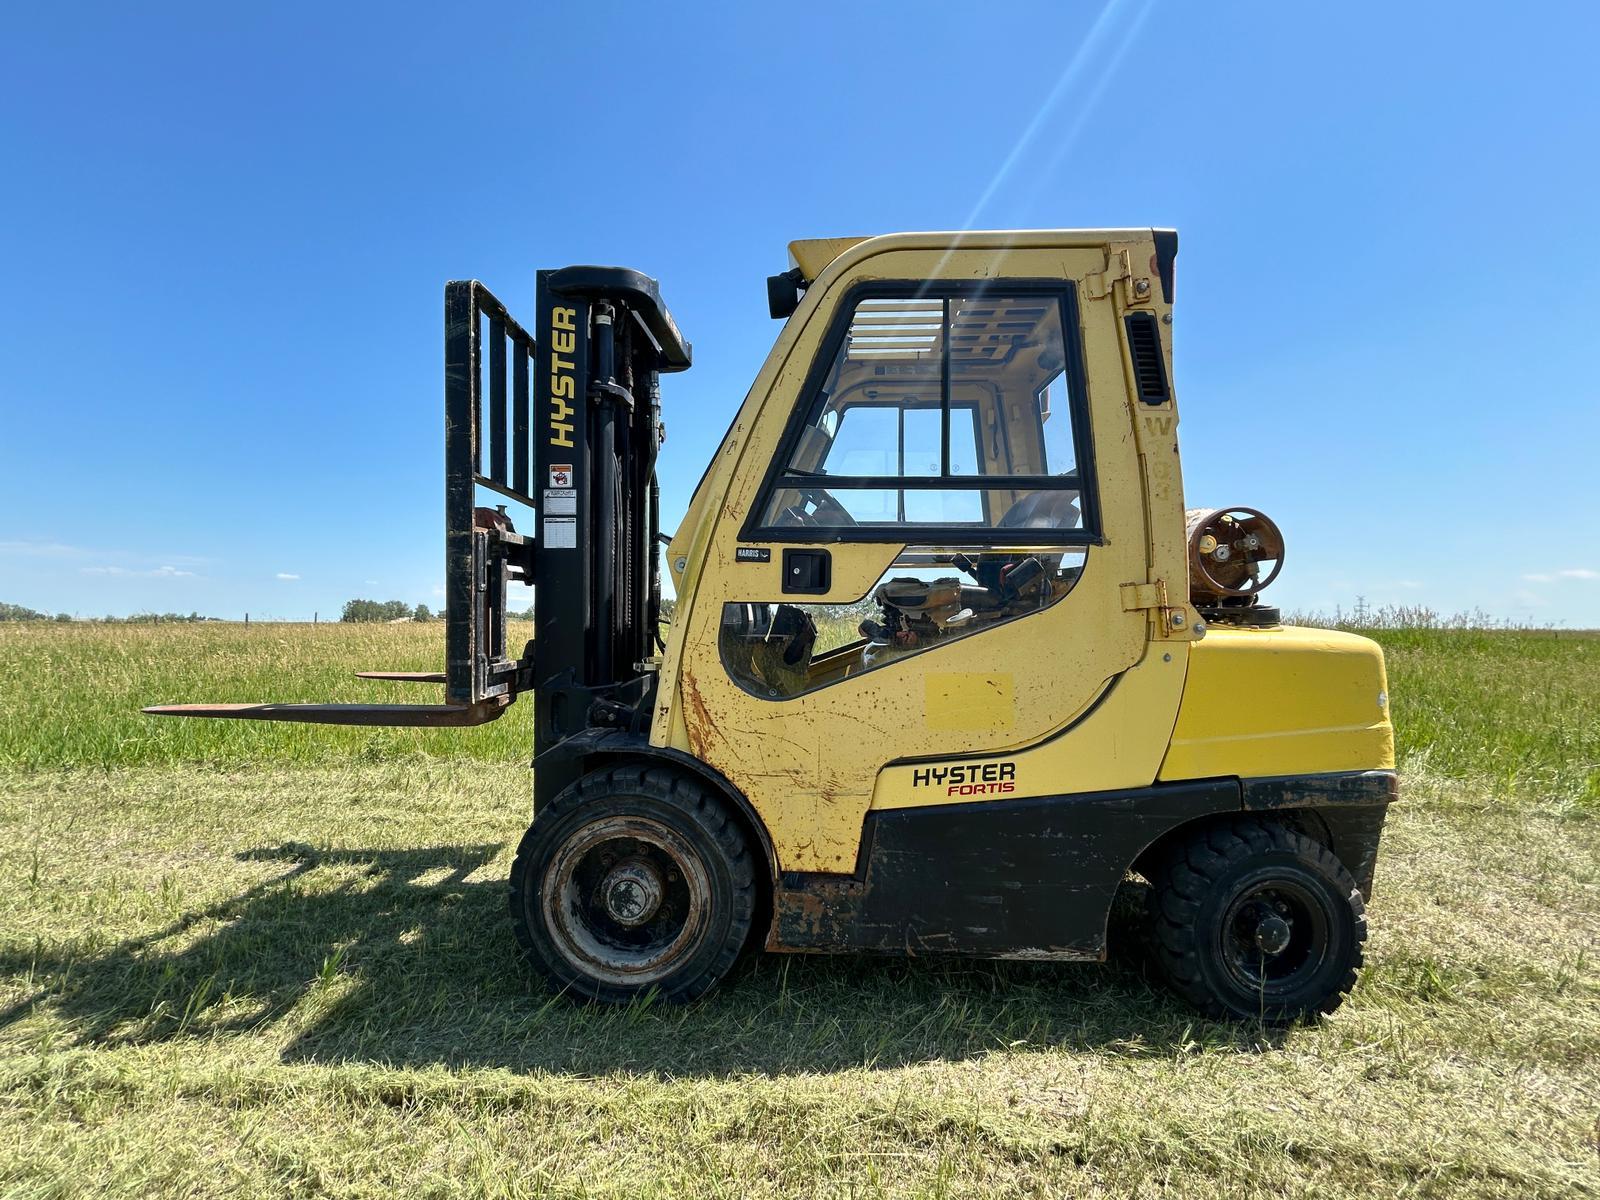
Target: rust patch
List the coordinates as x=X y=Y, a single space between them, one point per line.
x=697 y=718
x=818 y=915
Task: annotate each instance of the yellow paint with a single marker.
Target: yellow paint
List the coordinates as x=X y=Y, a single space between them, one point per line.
x=813 y=255
x=1282 y=702
x=1117 y=745
x=958 y=701
x=1081 y=696
x=809 y=765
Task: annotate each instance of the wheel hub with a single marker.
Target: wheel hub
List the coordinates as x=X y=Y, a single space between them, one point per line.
x=1273 y=934
x=626 y=898
x=632 y=893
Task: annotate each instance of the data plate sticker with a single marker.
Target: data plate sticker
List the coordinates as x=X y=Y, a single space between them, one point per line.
x=561 y=502
x=753 y=554
x=560 y=533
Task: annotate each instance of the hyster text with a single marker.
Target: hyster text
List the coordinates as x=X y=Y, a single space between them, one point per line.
x=969 y=779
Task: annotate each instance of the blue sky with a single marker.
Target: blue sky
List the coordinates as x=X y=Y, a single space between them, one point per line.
x=224 y=233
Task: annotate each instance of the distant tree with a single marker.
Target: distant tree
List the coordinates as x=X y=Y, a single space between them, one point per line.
x=376 y=610
x=16 y=612
x=153 y=618
x=422 y=613
x=64 y=617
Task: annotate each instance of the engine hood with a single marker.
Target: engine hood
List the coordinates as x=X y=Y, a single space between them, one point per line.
x=1281 y=701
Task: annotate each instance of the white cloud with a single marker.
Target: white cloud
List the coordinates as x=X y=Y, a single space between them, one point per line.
x=153 y=573
x=438 y=590
x=370 y=582
x=287 y=575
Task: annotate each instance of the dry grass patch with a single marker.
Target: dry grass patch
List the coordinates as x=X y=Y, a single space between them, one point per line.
x=226 y=972
x=302 y=981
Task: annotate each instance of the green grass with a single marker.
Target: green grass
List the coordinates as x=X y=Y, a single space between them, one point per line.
x=1519 y=709
x=275 y=962
x=72 y=693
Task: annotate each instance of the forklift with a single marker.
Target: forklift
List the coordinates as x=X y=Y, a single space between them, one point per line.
x=949 y=660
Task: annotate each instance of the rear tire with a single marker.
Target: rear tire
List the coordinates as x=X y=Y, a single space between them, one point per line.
x=1253 y=921
x=633 y=880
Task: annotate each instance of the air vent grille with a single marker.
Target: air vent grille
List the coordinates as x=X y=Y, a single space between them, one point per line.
x=1149 y=368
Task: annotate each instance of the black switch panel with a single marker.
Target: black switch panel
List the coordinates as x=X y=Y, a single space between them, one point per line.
x=809 y=572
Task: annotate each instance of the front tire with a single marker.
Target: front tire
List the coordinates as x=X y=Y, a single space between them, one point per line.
x=1254 y=921
x=633 y=879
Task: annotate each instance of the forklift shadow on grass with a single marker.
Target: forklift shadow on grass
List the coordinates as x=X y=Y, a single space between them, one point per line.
x=402 y=962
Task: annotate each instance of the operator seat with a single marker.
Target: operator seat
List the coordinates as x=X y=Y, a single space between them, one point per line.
x=918 y=610
x=1050 y=509
x=1047 y=509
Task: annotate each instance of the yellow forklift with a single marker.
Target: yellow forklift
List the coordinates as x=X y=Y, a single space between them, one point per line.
x=949 y=658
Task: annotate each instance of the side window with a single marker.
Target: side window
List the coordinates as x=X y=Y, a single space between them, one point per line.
x=957 y=416
x=1060 y=456
x=929 y=597
x=867 y=441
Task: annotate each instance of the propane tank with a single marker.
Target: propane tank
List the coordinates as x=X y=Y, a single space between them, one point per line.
x=1233 y=554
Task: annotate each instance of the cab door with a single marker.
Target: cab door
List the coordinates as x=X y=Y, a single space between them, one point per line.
x=921 y=551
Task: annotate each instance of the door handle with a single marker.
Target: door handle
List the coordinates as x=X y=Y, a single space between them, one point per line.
x=807 y=572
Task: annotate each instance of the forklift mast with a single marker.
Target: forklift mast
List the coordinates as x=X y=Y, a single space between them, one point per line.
x=579 y=447
x=566 y=421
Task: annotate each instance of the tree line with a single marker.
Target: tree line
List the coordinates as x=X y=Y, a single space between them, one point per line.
x=354 y=610
x=19 y=612
x=384 y=610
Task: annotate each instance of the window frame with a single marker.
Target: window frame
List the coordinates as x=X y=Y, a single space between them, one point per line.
x=1082 y=480
x=936 y=559
x=900 y=434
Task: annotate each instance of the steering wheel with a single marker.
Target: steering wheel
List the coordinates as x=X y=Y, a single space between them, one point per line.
x=826 y=513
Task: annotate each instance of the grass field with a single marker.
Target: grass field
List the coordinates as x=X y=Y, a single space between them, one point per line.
x=273 y=961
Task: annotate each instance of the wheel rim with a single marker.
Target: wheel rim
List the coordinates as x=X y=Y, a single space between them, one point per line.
x=626 y=899
x=1275 y=936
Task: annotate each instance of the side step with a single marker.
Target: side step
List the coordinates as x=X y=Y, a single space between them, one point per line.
x=427 y=716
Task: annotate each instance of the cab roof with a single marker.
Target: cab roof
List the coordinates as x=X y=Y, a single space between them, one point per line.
x=813 y=255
